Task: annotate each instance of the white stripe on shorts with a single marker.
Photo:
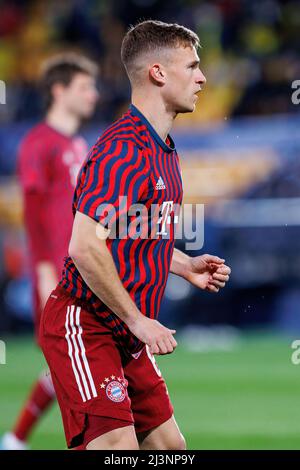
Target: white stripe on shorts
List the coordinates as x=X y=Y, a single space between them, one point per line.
x=83 y=355
x=70 y=352
x=77 y=358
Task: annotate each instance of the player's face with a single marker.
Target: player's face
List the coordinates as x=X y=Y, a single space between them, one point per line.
x=184 y=80
x=81 y=95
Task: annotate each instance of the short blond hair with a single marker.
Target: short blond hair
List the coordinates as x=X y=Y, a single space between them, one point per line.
x=151 y=35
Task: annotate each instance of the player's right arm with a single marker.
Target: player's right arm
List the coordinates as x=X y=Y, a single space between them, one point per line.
x=117 y=169
x=95 y=263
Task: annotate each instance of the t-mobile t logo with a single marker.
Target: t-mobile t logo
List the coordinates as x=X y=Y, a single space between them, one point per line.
x=165 y=218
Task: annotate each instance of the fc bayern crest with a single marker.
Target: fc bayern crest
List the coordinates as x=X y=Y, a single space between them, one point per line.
x=115 y=391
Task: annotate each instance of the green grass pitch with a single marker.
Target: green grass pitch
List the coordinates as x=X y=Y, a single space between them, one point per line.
x=246 y=398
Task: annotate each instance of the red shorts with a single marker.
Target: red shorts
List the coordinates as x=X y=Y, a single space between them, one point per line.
x=92 y=376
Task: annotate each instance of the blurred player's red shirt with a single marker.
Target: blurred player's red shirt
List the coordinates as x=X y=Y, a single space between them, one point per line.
x=48 y=165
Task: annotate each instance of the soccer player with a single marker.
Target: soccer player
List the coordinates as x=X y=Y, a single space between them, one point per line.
x=50 y=157
x=99 y=329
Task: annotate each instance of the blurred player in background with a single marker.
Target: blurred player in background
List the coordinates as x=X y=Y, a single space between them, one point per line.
x=50 y=157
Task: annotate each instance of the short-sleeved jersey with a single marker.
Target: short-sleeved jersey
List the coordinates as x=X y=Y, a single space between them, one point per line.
x=48 y=165
x=130 y=164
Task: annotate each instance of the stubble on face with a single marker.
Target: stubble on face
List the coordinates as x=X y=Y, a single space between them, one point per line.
x=181 y=84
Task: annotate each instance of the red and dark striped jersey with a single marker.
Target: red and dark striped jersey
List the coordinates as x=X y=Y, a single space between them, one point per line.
x=48 y=165
x=130 y=182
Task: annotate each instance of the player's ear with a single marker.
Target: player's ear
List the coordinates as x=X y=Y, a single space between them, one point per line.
x=57 y=90
x=157 y=74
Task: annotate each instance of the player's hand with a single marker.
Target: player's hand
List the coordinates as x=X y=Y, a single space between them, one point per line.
x=208 y=272
x=159 y=338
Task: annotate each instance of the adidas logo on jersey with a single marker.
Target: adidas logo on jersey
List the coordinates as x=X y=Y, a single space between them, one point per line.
x=160 y=184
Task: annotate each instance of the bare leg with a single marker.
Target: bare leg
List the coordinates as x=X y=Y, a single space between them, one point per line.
x=118 y=439
x=167 y=436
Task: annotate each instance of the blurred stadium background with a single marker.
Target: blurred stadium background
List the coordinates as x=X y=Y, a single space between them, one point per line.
x=232 y=380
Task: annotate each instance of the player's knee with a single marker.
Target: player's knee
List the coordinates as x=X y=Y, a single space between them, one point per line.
x=172 y=442
x=182 y=443
x=177 y=443
x=122 y=441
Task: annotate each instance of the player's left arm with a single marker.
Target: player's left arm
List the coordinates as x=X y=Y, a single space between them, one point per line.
x=207 y=272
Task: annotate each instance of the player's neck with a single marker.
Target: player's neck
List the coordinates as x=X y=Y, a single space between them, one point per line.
x=156 y=113
x=62 y=121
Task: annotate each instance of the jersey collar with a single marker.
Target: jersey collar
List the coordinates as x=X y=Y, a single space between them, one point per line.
x=167 y=148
